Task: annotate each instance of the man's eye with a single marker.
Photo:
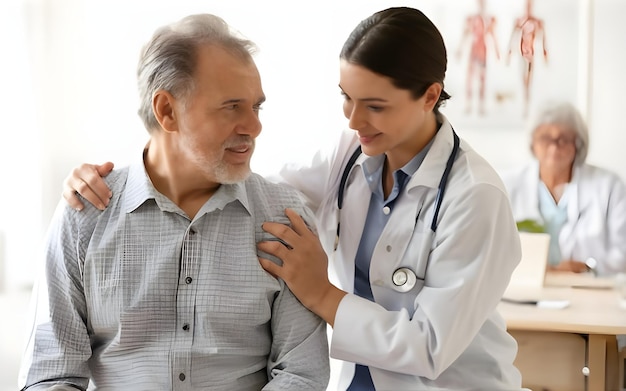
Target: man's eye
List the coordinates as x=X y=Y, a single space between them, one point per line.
x=376 y=109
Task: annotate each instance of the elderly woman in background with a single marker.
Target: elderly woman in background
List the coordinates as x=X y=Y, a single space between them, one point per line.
x=581 y=206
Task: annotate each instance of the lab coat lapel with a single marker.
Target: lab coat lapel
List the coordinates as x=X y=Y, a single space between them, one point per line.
x=574 y=209
x=531 y=198
x=352 y=216
x=412 y=214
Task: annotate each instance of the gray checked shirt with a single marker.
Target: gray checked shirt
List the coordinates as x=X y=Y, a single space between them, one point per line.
x=140 y=297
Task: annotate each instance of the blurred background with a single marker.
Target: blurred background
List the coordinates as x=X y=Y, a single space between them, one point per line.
x=69 y=95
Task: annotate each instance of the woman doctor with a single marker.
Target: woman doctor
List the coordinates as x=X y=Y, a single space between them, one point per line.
x=426 y=241
x=583 y=207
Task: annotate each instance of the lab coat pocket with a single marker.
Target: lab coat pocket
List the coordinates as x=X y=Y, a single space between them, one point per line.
x=400 y=285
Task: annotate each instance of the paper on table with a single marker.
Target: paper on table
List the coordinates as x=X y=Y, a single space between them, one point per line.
x=551 y=304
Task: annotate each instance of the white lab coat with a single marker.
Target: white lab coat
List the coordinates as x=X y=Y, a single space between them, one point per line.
x=596 y=213
x=445 y=333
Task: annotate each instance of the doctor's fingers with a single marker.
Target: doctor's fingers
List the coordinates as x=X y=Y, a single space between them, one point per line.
x=282 y=232
x=87 y=181
x=277 y=248
x=270 y=267
x=297 y=222
x=71 y=198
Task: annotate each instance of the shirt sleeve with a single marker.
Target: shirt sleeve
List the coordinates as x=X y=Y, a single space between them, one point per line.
x=298 y=357
x=58 y=346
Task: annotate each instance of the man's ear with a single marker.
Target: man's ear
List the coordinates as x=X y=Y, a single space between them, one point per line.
x=432 y=96
x=164 y=107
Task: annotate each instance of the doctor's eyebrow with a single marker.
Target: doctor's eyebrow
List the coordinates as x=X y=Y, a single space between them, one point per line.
x=372 y=99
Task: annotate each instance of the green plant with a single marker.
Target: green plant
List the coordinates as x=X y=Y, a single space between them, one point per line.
x=529 y=225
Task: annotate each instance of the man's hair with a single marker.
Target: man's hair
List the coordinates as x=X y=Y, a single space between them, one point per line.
x=168 y=60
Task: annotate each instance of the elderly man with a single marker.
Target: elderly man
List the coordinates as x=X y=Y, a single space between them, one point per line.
x=163 y=289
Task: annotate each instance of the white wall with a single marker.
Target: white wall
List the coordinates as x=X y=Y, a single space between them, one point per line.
x=607 y=125
x=78 y=102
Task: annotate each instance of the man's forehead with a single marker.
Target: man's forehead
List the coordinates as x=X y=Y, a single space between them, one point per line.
x=230 y=73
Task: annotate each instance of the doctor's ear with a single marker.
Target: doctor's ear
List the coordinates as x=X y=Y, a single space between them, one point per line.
x=432 y=96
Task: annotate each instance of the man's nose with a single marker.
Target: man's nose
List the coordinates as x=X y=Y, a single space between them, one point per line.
x=251 y=124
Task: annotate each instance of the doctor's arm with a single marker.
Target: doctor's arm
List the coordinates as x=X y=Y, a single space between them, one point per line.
x=467 y=275
x=87 y=181
x=616 y=230
x=608 y=249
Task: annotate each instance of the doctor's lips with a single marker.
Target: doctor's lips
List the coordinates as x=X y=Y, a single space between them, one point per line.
x=367 y=139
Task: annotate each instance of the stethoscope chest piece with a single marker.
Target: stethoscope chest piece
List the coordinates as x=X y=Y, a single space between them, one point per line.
x=403 y=279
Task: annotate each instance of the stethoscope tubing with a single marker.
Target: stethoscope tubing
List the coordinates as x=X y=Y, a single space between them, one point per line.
x=404 y=279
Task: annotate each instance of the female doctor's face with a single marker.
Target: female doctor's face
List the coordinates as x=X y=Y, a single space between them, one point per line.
x=387 y=119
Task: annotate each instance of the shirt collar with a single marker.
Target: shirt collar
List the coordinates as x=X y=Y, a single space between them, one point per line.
x=139 y=189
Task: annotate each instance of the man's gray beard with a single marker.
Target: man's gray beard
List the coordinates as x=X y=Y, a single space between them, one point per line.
x=227 y=177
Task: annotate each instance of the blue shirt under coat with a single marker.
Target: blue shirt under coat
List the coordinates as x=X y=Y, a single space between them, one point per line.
x=377 y=216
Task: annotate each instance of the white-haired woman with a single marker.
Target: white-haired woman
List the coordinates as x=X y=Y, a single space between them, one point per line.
x=582 y=207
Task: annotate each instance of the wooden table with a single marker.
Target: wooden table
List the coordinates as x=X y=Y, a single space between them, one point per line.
x=593 y=313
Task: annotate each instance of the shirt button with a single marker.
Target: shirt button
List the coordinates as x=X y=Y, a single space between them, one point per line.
x=188 y=280
x=186 y=327
x=181 y=377
x=388 y=248
x=386 y=210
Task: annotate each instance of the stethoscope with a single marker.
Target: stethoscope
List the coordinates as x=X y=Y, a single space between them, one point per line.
x=403 y=279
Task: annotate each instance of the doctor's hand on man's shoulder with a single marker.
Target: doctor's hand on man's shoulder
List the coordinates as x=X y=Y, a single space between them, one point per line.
x=87 y=181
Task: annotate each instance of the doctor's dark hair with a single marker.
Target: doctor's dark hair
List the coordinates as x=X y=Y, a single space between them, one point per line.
x=567 y=116
x=403 y=44
x=168 y=60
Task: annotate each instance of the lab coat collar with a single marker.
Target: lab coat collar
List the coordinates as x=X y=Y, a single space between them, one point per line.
x=429 y=173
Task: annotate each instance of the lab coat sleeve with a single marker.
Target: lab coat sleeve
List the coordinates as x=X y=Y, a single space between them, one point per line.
x=476 y=249
x=522 y=185
x=615 y=261
x=318 y=179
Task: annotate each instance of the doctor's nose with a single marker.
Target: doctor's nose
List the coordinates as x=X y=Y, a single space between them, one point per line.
x=356 y=116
